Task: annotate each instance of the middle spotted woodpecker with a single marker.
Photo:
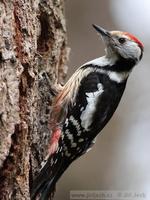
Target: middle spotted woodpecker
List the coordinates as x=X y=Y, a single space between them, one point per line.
x=85 y=104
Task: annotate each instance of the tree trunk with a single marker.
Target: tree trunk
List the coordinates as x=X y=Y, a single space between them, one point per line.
x=32 y=47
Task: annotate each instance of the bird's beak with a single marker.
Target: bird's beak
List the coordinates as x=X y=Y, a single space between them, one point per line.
x=101 y=30
x=106 y=36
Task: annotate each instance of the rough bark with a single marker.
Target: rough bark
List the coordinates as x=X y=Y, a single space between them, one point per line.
x=32 y=42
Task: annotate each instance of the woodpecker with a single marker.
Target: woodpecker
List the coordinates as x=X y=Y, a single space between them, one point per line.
x=85 y=105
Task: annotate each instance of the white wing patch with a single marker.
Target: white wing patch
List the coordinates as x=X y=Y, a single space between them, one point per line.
x=76 y=125
x=87 y=114
x=118 y=77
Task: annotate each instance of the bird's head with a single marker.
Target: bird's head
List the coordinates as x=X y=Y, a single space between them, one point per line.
x=121 y=44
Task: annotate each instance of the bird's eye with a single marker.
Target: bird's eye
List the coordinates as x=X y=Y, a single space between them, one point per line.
x=122 y=40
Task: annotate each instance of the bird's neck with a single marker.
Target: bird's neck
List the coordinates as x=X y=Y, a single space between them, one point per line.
x=118 y=63
x=123 y=65
x=116 y=67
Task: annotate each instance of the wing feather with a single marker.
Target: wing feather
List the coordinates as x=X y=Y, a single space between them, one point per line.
x=66 y=98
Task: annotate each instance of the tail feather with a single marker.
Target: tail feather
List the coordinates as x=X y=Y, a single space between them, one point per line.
x=44 y=184
x=42 y=179
x=47 y=191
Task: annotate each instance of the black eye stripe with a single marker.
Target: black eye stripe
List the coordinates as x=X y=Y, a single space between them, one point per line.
x=122 y=40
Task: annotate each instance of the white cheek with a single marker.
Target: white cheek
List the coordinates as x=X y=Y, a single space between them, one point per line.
x=131 y=50
x=138 y=53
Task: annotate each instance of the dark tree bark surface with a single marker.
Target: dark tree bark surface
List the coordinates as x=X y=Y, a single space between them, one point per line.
x=32 y=42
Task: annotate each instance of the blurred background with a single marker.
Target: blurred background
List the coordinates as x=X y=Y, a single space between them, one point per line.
x=120 y=160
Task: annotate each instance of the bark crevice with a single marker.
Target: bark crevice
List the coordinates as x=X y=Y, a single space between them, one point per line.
x=43 y=43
